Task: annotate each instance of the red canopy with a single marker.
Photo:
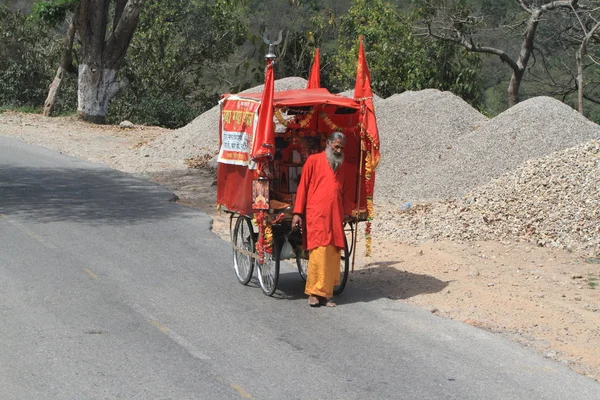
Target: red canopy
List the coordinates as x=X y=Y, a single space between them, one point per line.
x=305 y=97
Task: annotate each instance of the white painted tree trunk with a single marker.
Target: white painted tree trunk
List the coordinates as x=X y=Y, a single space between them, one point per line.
x=97 y=86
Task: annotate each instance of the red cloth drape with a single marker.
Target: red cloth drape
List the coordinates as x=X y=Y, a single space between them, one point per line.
x=364 y=94
x=314 y=78
x=264 y=141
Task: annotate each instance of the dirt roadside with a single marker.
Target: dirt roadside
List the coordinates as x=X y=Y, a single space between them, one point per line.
x=543 y=298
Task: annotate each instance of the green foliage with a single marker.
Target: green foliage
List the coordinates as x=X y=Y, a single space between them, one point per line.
x=160 y=109
x=53 y=12
x=24 y=51
x=398 y=59
x=176 y=46
x=305 y=25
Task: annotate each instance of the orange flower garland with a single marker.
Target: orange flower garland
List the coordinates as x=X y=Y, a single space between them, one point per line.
x=295 y=122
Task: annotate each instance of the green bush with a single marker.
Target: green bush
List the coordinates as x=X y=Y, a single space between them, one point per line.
x=24 y=53
x=162 y=109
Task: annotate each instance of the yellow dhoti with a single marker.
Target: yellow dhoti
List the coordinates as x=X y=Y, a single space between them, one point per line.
x=323 y=271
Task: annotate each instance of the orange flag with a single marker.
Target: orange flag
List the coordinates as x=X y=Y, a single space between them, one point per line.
x=364 y=94
x=314 y=78
x=369 y=135
x=264 y=140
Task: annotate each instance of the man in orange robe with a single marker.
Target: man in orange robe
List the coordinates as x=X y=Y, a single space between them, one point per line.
x=321 y=203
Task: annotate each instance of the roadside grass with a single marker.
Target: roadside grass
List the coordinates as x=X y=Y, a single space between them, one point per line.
x=36 y=110
x=21 y=109
x=592 y=281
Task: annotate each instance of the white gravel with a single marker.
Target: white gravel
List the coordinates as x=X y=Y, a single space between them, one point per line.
x=418 y=131
x=550 y=201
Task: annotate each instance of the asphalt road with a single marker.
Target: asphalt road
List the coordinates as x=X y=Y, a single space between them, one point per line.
x=108 y=290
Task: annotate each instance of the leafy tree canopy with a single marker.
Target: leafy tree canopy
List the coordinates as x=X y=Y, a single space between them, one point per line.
x=174 y=60
x=398 y=59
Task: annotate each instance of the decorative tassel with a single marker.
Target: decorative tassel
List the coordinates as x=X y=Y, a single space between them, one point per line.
x=370 y=216
x=368 y=239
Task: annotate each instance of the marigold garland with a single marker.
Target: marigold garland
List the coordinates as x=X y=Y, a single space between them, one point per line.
x=330 y=123
x=368 y=165
x=368 y=146
x=374 y=146
x=264 y=244
x=268 y=245
x=296 y=121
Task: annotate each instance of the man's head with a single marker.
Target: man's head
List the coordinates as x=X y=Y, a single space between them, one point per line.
x=335 y=149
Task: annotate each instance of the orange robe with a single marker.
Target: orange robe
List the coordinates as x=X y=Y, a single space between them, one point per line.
x=321 y=202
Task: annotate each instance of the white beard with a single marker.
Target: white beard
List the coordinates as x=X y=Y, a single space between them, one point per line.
x=334 y=160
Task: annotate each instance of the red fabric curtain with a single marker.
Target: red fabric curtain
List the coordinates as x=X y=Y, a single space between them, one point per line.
x=364 y=94
x=264 y=142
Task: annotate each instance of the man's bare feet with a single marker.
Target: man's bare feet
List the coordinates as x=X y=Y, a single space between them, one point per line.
x=314 y=301
x=326 y=302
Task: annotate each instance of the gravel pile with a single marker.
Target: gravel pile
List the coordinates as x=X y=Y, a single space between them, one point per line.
x=550 y=201
x=199 y=138
x=418 y=131
x=530 y=129
x=451 y=150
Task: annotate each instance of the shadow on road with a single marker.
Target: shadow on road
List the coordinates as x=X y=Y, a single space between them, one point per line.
x=375 y=281
x=99 y=196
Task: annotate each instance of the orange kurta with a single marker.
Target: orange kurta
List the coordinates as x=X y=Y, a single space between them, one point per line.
x=321 y=202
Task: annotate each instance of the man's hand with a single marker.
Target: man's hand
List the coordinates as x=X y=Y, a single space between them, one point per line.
x=296 y=222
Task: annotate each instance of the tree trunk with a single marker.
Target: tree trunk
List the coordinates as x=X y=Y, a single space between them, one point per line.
x=579 y=57
x=66 y=65
x=581 y=52
x=50 y=102
x=96 y=87
x=514 y=87
x=101 y=56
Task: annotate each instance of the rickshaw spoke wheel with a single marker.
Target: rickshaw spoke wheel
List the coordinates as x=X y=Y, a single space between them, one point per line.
x=243 y=238
x=268 y=271
x=344 y=269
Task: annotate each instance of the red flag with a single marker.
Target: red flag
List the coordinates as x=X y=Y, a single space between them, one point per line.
x=264 y=140
x=314 y=78
x=369 y=135
x=364 y=95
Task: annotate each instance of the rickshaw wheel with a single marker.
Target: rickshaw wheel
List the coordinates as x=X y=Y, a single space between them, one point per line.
x=268 y=271
x=243 y=237
x=344 y=269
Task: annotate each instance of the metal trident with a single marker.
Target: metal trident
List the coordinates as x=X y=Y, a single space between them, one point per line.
x=272 y=43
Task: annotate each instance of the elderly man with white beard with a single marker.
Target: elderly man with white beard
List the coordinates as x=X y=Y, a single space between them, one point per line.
x=321 y=207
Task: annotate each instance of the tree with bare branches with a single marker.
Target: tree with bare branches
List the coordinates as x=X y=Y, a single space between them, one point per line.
x=457 y=23
x=589 y=28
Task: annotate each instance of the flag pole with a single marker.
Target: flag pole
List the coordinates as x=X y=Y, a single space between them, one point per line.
x=360 y=179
